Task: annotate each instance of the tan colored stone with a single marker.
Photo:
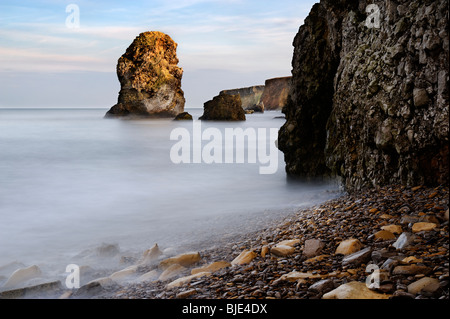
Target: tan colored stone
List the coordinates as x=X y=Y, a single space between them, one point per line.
x=66 y=294
x=296 y=275
x=150 y=255
x=412 y=260
x=349 y=246
x=21 y=275
x=395 y=229
x=124 y=274
x=290 y=242
x=185 y=280
x=215 y=266
x=316 y=259
x=244 y=257
x=422 y=226
x=185 y=294
x=264 y=251
x=384 y=235
x=354 y=290
x=149 y=276
x=103 y=281
x=171 y=271
x=352 y=271
x=184 y=260
x=282 y=250
x=424 y=284
x=412 y=269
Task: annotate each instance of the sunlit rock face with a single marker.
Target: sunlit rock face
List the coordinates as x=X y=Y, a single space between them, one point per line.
x=370 y=103
x=150 y=79
x=276 y=92
x=250 y=97
x=224 y=107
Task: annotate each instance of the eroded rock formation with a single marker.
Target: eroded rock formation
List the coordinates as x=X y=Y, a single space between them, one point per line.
x=370 y=103
x=224 y=107
x=150 y=79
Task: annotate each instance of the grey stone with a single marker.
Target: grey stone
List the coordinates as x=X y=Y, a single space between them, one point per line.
x=313 y=247
x=323 y=286
x=35 y=291
x=404 y=240
x=411 y=270
x=358 y=258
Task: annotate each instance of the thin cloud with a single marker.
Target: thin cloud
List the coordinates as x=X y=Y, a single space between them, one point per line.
x=207 y=38
x=29 y=60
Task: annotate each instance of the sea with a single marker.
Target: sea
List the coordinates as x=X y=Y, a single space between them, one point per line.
x=72 y=181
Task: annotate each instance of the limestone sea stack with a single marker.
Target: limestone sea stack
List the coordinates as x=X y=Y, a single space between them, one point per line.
x=150 y=79
x=224 y=107
x=370 y=103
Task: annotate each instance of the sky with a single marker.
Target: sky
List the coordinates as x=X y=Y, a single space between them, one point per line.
x=64 y=53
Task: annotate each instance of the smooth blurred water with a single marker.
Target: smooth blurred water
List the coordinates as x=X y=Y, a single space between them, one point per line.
x=70 y=179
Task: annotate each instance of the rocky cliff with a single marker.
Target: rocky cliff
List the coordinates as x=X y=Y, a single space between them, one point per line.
x=150 y=79
x=369 y=100
x=275 y=93
x=250 y=96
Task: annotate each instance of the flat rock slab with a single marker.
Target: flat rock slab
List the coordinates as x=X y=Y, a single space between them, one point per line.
x=411 y=270
x=185 y=280
x=404 y=240
x=354 y=290
x=424 y=284
x=172 y=271
x=282 y=250
x=348 y=246
x=215 y=266
x=185 y=260
x=358 y=258
x=395 y=229
x=313 y=247
x=22 y=275
x=244 y=258
x=422 y=226
x=384 y=235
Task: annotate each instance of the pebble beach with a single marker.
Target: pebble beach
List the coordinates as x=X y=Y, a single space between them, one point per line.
x=385 y=243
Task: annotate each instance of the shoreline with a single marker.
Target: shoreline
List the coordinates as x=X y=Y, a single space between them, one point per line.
x=296 y=273
x=307 y=265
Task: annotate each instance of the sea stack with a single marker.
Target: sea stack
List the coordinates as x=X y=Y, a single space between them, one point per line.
x=150 y=79
x=224 y=107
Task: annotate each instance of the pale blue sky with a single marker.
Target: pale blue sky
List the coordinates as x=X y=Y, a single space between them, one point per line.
x=222 y=44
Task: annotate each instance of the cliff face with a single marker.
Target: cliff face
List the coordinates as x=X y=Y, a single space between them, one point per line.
x=250 y=96
x=275 y=93
x=370 y=103
x=150 y=80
